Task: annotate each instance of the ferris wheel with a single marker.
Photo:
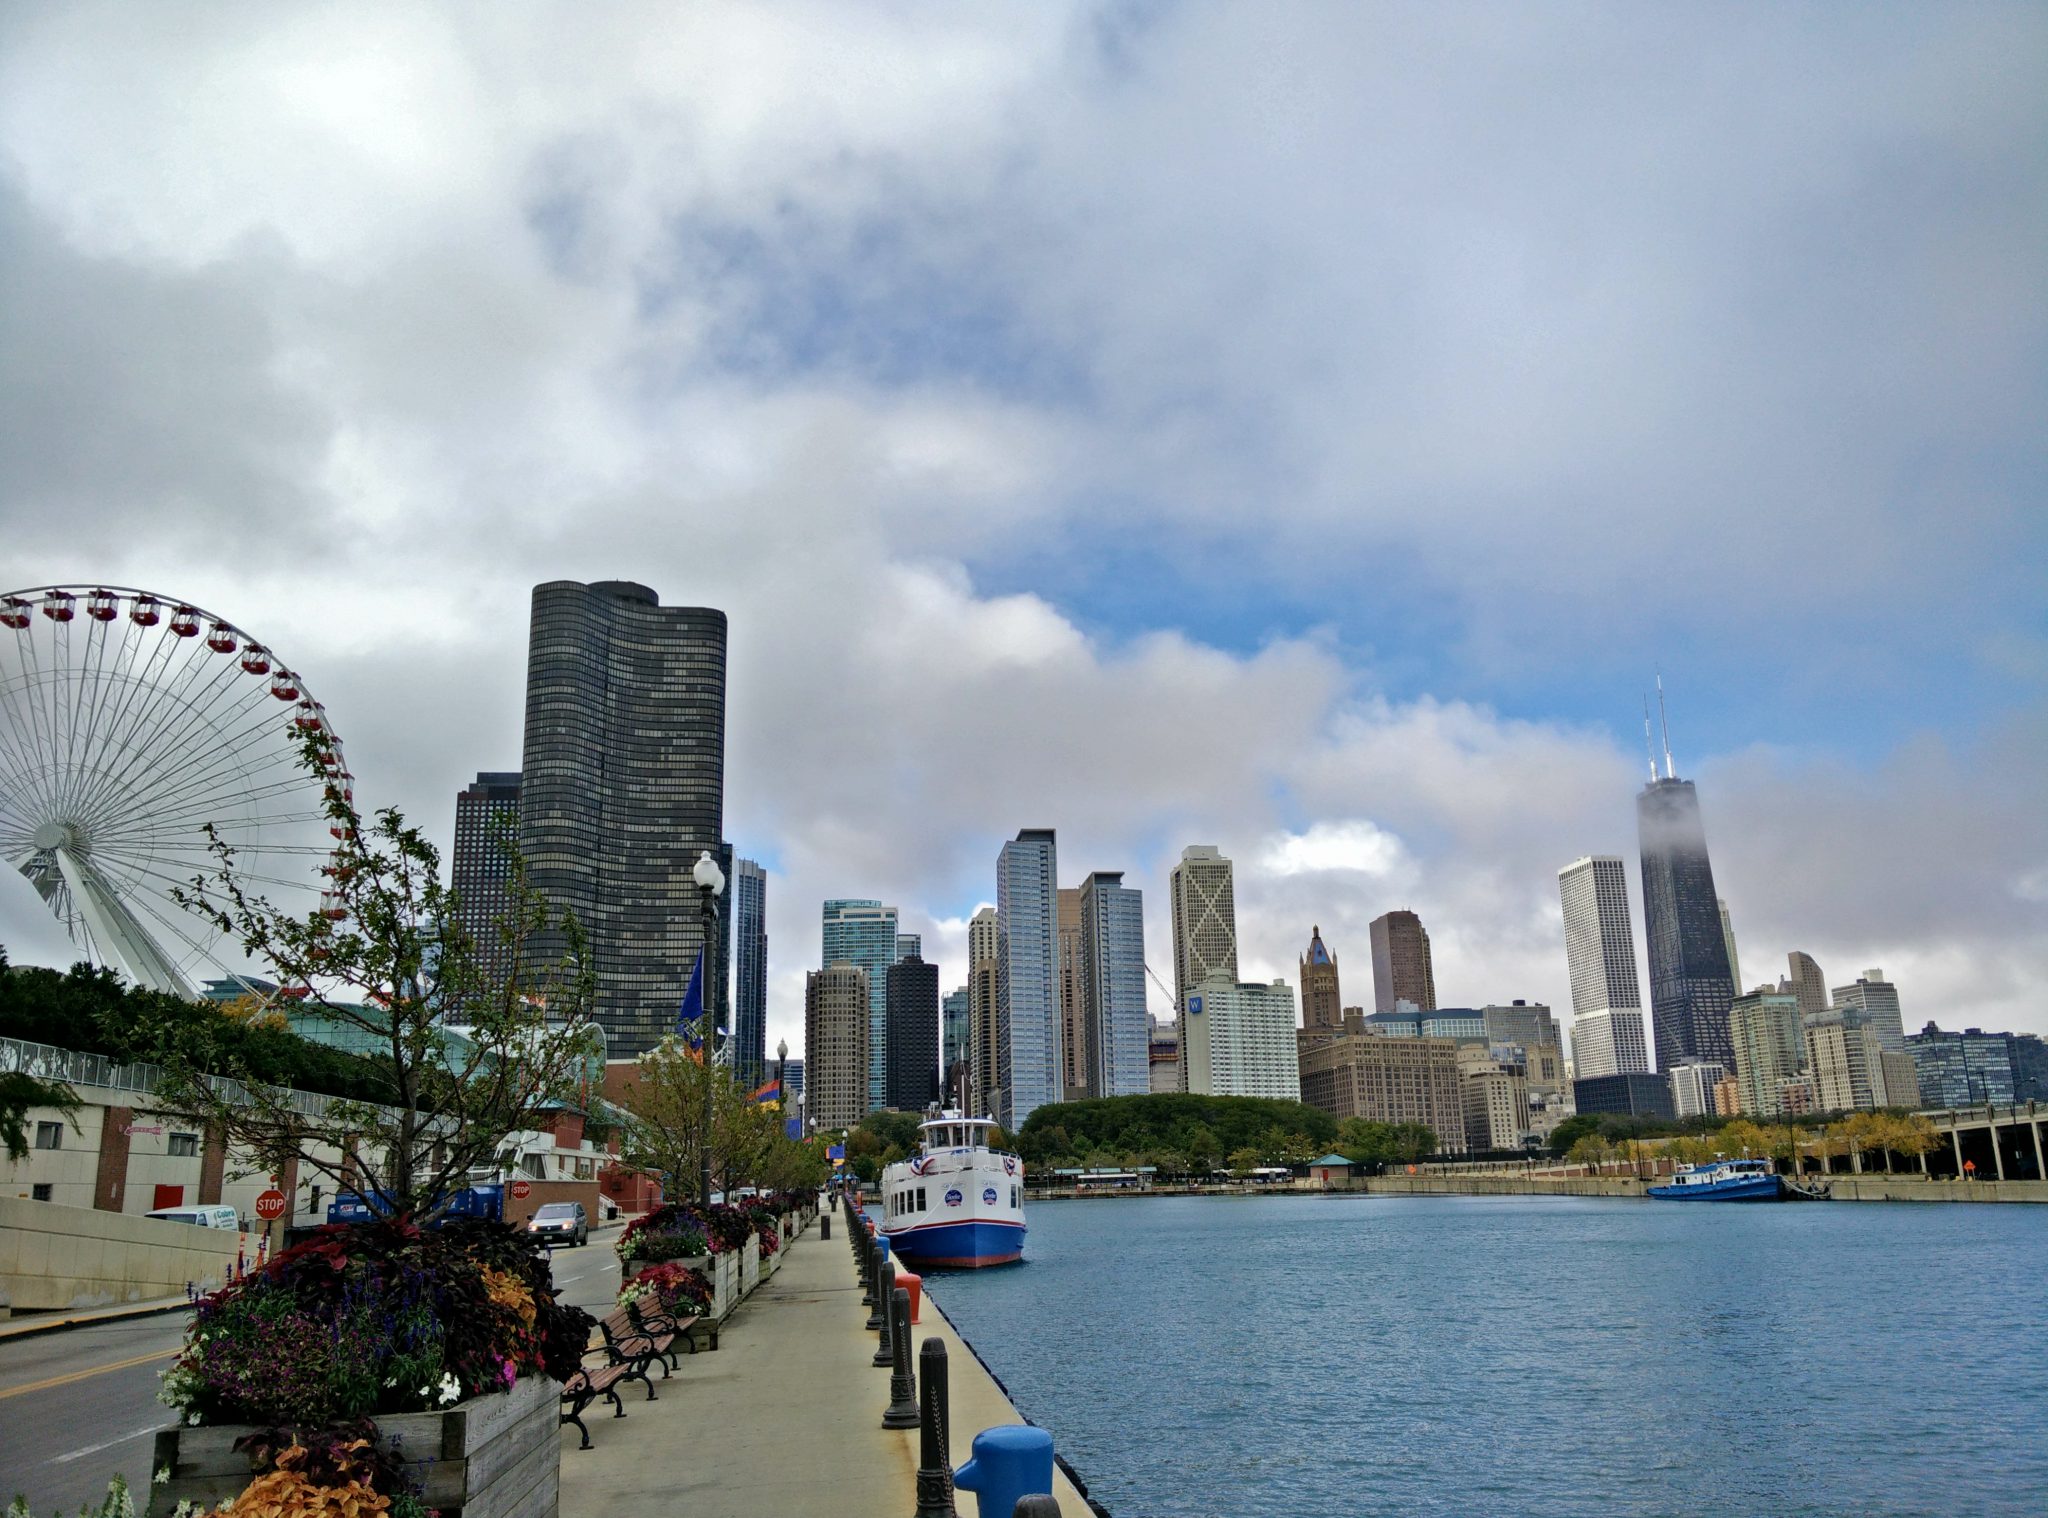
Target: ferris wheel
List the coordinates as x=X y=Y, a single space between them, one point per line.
x=129 y=722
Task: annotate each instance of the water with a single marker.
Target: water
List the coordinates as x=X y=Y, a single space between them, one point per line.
x=1324 y=1357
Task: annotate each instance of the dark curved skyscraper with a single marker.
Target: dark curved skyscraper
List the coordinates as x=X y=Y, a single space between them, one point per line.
x=1691 y=987
x=622 y=785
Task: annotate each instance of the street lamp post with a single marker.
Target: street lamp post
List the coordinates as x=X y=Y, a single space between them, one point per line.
x=710 y=882
x=782 y=1081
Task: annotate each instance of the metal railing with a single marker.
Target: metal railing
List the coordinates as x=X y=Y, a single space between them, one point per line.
x=19 y=1056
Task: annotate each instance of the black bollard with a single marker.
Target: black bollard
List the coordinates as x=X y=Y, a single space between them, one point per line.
x=902 y=1409
x=934 y=1470
x=825 y=1226
x=886 y=1290
x=867 y=1274
x=1036 y=1505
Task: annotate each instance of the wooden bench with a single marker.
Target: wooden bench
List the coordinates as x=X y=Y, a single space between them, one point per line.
x=587 y=1385
x=632 y=1346
x=654 y=1316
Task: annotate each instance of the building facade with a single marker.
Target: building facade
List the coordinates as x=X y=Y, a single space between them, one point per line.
x=1770 y=1050
x=1878 y=1000
x=1494 y=1092
x=1076 y=1058
x=1355 y=1073
x=1027 y=976
x=956 y=1034
x=1116 y=1025
x=1609 y=1043
x=1808 y=986
x=748 y=894
x=1599 y=937
x=984 y=1074
x=1966 y=1069
x=913 y=1062
x=1634 y=1094
x=1401 y=966
x=480 y=868
x=1691 y=984
x=622 y=787
x=1204 y=909
x=1240 y=1039
x=1693 y=1084
x=1322 y=1000
x=1165 y=1056
x=861 y=932
x=836 y=1046
x=1845 y=1061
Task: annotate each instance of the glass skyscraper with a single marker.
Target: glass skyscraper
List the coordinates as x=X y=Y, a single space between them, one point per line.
x=748 y=894
x=1027 y=976
x=863 y=933
x=622 y=786
x=1119 y=1029
x=1691 y=984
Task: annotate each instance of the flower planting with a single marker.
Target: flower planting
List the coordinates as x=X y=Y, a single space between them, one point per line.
x=678 y=1288
x=664 y=1232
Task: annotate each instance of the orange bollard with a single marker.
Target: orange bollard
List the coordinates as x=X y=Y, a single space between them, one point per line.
x=913 y=1284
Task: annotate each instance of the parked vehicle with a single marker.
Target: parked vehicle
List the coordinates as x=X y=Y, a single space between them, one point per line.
x=203 y=1217
x=486 y=1202
x=561 y=1223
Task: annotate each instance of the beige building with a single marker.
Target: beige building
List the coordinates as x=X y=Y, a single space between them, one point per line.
x=1204 y=908
x=1353 y=1073
x=1770 y=1049
x=1322 y=1003
x=1076 y=1056
x=1495 y=1097
x=1165 y=1057
x=1846 y=1061
x=1808 y=986
x=836 y=1045
x=982 y=971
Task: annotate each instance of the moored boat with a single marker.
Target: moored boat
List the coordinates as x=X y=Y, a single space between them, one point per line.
x=1731 y=1181
x=956 y=1203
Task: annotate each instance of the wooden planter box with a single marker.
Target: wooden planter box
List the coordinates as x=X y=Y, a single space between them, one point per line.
x=488 y=1457
x=725 y=1285
x=750 y=1264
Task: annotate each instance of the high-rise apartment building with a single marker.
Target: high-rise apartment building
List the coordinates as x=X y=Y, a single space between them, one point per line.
x=1117 y=1028
x=1609 y=1043
x=1076 y=1058
x=1494 y=1092
x=1165 y=1056
x=983 y=1061
x=1691 y=984
x=1770 y=1050
x=1204 y=908
x=909 y=946
x=1966 y=1069
x=863 y=933
x=913 y=1034
x=836 y=1046
x=1027 y=975
x=1728 y=943
x=1878 y=1000
x=1693 y=1084
x=1845 y=1060
x=1240 y=1039
x=1322 y=1003
x=622 y=786
x=1809 y=986
x=480 y=868
x=1523 y=1024
x=1401 y=968
x=748 y=894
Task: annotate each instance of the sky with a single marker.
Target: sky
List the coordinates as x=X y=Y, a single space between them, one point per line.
x=1304 y=429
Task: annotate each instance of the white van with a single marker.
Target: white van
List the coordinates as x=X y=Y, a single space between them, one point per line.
x=202 y=1217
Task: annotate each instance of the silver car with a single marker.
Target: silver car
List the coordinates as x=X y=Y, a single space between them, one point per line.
x=561 y=1223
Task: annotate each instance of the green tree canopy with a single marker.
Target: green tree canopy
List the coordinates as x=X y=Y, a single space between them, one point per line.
x=1201 y=1130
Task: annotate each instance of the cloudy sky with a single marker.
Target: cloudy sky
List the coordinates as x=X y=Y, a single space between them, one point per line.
x=1304 y=429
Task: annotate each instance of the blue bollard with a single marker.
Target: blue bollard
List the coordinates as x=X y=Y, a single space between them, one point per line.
x=883 y=1245
x=1009 y=1461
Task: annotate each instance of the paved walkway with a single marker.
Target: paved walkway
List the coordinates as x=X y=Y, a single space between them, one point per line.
x=785 y=1418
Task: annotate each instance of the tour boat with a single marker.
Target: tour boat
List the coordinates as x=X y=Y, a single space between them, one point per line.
x=1731 y=1181
x=956 y=1203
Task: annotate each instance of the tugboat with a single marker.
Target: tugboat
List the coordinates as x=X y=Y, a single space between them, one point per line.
x=956 y=1203
x=1732 y=1181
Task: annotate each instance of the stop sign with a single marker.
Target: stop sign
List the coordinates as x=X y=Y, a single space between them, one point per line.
x=270 y=1206
x=521 y=1190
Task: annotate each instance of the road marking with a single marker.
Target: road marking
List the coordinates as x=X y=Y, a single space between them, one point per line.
x=80 y=1375
x=94 y=1449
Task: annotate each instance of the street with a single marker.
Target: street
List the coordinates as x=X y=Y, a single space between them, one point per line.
x=78 y=1406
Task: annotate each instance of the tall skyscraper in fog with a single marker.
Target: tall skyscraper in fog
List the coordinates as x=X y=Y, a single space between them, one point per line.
x=1692 y=985
x=748 y=894
x=1204 y=909
x=622 y=787
x=863 y=933
x=480 y=869
x=1027 y=974
x=1401 y=966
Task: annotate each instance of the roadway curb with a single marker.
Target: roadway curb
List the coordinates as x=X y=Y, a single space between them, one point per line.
x=11 y=1331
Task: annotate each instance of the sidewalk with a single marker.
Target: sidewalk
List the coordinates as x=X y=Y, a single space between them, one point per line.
x=786 y=1417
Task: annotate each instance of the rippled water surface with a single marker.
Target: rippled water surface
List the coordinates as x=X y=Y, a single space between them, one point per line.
x=1331 y=1356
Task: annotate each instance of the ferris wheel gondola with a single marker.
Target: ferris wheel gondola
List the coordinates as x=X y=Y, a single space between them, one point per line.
x=124 y=735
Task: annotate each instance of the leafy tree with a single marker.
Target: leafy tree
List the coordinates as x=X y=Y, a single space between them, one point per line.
x=1564 y=1138
x=18 y=1093
x=464 y=1057
x=1243 y=1161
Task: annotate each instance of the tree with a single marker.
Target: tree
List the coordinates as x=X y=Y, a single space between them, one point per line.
x=1566 y=1135
x=1366 y=1141
x=462 y=1057
x=1590 y=1150
x=18 y=1093
x=1413 y=1141
x=1243 y=1161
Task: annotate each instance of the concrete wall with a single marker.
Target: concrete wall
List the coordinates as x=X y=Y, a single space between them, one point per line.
x=1503 y=1185
x=54 y=1257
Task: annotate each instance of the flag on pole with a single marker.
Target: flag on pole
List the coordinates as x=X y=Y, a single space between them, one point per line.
x=690 y=1019
x=768 y=1091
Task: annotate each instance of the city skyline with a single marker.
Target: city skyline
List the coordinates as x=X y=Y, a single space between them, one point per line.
x=358 y=366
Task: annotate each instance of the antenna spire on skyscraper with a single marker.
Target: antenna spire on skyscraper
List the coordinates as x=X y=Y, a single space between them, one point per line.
x=1649 y=747
x=1664 y=722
